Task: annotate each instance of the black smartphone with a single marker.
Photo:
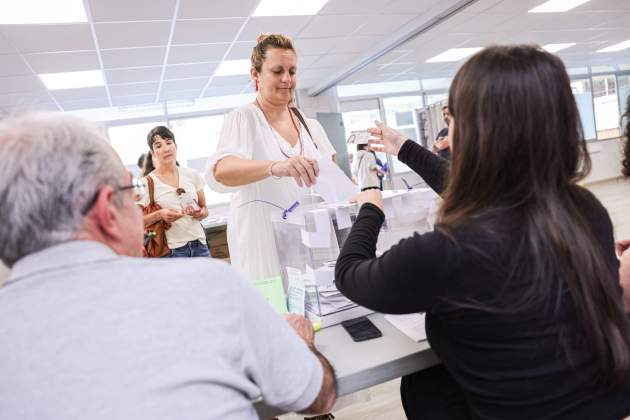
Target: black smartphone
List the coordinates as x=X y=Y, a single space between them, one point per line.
x=361 y=329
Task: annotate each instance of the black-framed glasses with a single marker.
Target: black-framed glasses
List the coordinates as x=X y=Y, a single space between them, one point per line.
x=138 y=187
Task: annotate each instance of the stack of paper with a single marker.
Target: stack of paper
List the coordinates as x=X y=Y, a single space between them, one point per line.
x=412 y=325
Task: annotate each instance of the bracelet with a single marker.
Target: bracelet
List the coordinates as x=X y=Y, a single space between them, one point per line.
x=271 y=173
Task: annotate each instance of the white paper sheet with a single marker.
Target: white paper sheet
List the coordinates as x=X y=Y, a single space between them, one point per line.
x=322 y=221
x=412 y=325
x=332 y=184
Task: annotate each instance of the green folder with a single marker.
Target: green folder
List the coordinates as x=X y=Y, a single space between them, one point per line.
x=273 y=291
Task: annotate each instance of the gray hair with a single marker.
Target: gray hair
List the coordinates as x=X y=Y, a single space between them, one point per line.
x=52 y=166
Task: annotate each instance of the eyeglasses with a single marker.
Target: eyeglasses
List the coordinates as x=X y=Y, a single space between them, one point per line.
x=138 y=187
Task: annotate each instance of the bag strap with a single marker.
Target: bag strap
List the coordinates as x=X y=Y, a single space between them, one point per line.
x=151 y=190
x=299 y=116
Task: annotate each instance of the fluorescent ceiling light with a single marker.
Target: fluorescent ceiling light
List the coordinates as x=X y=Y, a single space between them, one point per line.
x=555 y=6
x=233 y=67
x=553 y=48
x=73 y=80
x=362 y=89
x=288 y=7
x=42 y=11
x=617 y=47
x=453 y=54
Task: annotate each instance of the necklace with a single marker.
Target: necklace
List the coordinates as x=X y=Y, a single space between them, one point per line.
x=294 y=126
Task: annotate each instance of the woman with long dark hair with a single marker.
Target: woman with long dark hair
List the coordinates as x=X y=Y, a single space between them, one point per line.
x=519 y=280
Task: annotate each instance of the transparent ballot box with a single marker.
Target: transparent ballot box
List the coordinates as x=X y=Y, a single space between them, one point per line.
x=309 y=238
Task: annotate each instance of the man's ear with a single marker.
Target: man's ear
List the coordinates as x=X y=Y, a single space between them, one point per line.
x=105 y=215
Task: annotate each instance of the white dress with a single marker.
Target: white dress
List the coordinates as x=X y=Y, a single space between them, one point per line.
x=247 y=134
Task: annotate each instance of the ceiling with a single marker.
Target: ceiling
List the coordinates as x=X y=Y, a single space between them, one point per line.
x=153 y=51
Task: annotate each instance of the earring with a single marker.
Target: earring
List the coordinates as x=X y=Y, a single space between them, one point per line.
x=256 y=85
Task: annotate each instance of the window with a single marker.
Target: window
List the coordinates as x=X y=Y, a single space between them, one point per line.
x=130 y=141
x=197 y=139
x=606 y=106
x=584 y=99
x=624 y=92
x=400 y=114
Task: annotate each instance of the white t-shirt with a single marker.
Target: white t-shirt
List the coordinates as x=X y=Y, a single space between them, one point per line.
x=247 y=134
x=364 y=169
x=184 y=229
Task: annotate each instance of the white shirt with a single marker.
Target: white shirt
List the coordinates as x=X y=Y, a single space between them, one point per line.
x=247 y=134
x=88 y=334
x=364 y=169
x=186 y=228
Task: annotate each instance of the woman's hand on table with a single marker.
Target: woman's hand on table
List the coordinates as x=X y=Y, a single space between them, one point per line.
x=373 y=196
x=170 y=215
x=387 y=139
x=304 y=170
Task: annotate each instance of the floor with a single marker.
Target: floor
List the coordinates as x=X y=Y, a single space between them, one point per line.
x=384 y=401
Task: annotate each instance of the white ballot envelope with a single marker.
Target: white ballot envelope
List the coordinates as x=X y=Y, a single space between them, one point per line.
x=332 y=184
x=358 y=137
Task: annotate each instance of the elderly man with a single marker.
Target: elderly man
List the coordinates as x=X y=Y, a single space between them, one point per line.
x=90 y=332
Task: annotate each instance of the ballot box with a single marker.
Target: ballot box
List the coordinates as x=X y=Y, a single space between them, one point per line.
x=308 y=239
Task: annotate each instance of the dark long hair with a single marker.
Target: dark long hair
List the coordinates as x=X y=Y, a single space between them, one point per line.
x=626 y=147
x=518 y=150
x=163 y=132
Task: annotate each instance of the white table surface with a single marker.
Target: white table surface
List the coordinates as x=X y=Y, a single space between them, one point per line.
x=367 y=363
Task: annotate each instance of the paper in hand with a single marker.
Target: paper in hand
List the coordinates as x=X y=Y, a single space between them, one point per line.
x=332 y=184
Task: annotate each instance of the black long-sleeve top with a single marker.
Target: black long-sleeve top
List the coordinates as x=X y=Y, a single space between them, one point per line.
x=509 y=366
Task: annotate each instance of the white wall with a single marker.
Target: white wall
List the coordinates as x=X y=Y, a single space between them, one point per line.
x=606 y=158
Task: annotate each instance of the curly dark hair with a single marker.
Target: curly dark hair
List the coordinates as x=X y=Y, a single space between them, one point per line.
x=626 y=148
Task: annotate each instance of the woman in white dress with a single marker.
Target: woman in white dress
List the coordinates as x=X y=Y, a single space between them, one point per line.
x=267 y=157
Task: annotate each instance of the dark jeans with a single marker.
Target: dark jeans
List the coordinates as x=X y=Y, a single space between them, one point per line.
x=432 y=394
x=191 y=249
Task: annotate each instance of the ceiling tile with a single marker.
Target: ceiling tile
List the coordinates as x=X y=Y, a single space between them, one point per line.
x=290 y=25
x=334 y=60
x=241 y=79
x=314 y=46
x=23 y=99
x=123 y=10
x=184 y=84
x=5 y=45
x=133 y=34
x=205 y=31
x=180 y=95
x=64 y=95
x=345 y=7
x=223 y=90
x=133 y=100
x=195 y=9
x=141 y=74
x=14 y=84
x=48 y=38
x=384 y=24
x=356 y=44
x=241 y=50
x=84 y=104
x=179 y=54
x=332 y=26
x=63 y=61
x=13 y=65
x=183 y=71
x=306 y=61
x=133 y=89
x=133 y=57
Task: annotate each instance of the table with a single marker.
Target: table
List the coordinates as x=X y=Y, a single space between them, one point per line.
x=368 y=363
